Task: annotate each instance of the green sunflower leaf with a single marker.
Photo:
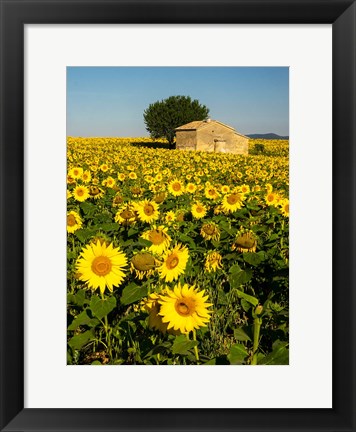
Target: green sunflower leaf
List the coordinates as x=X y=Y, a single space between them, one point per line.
x=237 y=354
x=278 y=356
x=253 y=258
x=240 y=335
x=78 y=341
x=182 y=345
x=248 y=298
x=102 y=307
x=83 y=319
x=132 y=293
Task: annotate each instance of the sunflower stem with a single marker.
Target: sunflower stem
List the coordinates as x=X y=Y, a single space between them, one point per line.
x=256 y=338
x=196 y=346
x=106 y=328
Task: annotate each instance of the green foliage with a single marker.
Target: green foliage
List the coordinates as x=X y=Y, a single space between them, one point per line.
x=102 y=307
x=163 y=117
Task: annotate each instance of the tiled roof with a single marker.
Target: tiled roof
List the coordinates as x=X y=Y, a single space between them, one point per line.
x=199 y=124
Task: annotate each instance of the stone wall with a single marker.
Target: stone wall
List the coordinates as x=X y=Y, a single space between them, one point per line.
x=186 y=140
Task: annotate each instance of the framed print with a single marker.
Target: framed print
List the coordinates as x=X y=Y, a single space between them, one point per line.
x=171 y=258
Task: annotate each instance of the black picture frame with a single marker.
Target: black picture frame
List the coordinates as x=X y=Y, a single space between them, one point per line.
x=14 y=15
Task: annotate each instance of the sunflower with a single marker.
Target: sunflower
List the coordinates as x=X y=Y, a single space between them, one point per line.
x=210 y=231
x=143 y=264
x=147 y=211
x=159 y=238
x=81 y=193
x=95 y=192
x=213 y=262
x=170 y=217
x=184 y=308
x=284 y=204
x=174 y=263
x=191 y=187
x=176 y=187
x=126 y=215
x=118 y=200
x=245 y=189
x=104 y=167
x=121 y=176
x=109 y=182
x=269 y=187
x=70 y=180
x=86 y=176
x=136 y=191
x=132 y=175
x=211 y=192
x=225 y=189
x=160 y=197
x=271 y=198
x=101 y=265
x=232 y=201
x=245 y=241
x=76 y=173
x=199 y=210
x=74 y=221
x=151 y=305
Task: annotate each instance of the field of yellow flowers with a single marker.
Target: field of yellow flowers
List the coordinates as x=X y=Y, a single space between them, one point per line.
x=176 y=257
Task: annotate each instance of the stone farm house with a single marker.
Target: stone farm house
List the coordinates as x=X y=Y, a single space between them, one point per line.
x=212 y=136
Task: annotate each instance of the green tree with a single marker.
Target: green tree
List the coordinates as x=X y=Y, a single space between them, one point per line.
x=162 y=117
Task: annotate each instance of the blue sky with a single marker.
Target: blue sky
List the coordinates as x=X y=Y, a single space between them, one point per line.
x=110 y=101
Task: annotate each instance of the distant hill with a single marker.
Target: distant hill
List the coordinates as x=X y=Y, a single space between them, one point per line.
x=268 y=136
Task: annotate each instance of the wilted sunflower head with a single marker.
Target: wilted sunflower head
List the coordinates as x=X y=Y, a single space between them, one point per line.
x=143 y=264
x=245 y=242
x=95 y=192
x=126 y=215
x=210 y=231
x=213 y=261
x=118 y=200
x=160 y=197
x=152 y=306
x=136 y=191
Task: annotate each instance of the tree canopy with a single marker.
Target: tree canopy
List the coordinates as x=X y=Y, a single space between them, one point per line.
x=162 y=117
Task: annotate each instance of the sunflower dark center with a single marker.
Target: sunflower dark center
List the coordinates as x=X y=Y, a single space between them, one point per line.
x=176 y=187
x=80 y=192
x=184 y=306
x=149 y=209
x=101 y=265
x=94 y=191
x=71 y=221
x=209 y=229
x=172 y=262
x=156 y=237
x=233 y=199
x=127 y=214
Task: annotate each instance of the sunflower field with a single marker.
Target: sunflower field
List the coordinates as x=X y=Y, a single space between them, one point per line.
x=177 y=257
